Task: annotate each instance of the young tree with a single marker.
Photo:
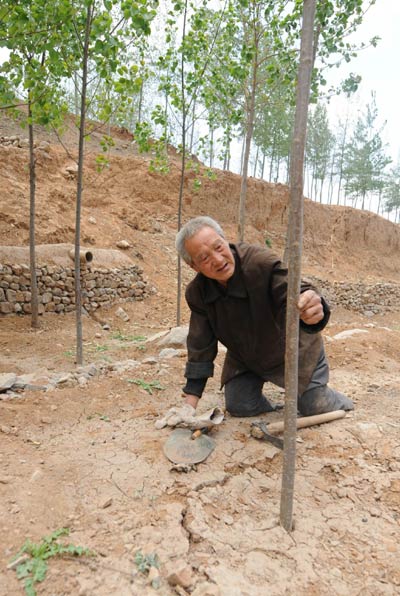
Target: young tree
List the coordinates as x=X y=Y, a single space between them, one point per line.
x=102 y=29
x=365 y=156
x=339 y=152
x=295 y=238
x=187 y=67
x=319 y=148
x=30 y=85
x=273 y=131
x=392 y=192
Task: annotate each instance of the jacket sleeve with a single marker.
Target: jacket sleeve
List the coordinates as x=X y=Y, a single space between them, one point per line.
x=202 y=346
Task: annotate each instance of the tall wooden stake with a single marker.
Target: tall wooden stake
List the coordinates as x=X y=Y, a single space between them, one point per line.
x=295 y=239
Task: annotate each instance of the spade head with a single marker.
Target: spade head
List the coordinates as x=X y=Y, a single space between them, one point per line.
x=180 y=448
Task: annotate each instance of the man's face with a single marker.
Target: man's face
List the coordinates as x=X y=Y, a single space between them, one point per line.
x=211 y=255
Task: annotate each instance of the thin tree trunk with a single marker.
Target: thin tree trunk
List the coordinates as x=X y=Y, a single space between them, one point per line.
x=76 y=94
x=248 y=138
x=263 y=166
x=342 y=160
x=32 y=209
x=183 y=166
x=321 y=189
x=255 y=164
x=295 y=239
x=211 y=147
x=242 y=155
x=81 y=147
x=192 y=127
x=379 y=200
x=271 y=164
x=278 y=165
x=140 y=105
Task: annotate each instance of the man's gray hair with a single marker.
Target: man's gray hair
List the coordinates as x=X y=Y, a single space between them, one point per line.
x=190 y=229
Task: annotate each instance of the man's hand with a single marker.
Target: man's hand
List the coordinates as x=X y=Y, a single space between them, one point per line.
x=310 y=307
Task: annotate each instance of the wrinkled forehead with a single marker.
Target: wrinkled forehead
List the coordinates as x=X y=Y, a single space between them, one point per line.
x=206 y=235
x=202 y=241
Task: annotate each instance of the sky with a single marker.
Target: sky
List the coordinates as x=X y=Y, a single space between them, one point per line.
x=379 y=70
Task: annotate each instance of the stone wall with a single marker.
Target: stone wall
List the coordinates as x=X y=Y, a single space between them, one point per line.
x=100 y=286
x=363 y=298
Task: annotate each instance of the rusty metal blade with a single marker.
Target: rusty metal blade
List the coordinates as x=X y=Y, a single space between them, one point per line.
x=180 y=448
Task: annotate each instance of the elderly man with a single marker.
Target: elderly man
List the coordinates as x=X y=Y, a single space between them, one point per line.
x=238 y=297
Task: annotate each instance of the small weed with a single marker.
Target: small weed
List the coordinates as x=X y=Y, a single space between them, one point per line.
x=101 y=417
x=145 y=562
x=98 y=348
x=69 y=353
x=147 y=386
x=132 y=338
x=268 y=242
x=34 y=568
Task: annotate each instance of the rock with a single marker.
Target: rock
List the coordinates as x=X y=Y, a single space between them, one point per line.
x=176 y=338
x=157 y=227
x=124 y=244
x=45 y=146
x=106 y=327
x=153 y=577
x=206 y=589
x=107 y=503
x=124 y=365
x=168 y=353
x=92 y=220
x=156 y=336
x=122 y=314
x=348 y=333
x=62 y=378
x=72 y=168
x=7 y=380
x=179 y=574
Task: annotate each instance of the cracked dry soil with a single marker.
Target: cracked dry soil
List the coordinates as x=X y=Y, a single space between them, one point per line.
x=89 y=458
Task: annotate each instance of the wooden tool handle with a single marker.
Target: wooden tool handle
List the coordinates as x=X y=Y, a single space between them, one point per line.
x=277 y=427
x=196 y=434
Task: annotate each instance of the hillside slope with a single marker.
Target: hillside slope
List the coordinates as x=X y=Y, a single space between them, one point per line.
x=127 y=201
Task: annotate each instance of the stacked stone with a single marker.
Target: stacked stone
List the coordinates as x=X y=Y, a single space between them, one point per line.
x=56 y=288
x=14 y=141
x=360 y=297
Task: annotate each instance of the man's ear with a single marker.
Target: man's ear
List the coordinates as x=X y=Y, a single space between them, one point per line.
x=194 y=267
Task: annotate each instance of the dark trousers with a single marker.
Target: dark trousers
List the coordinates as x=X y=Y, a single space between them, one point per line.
x=244 y=397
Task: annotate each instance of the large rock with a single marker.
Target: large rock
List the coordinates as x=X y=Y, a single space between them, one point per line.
x=176 y=338
x=7 y=380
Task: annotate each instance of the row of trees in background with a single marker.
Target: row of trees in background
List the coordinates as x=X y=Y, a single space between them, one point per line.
x=348 y=165
x=185 y=74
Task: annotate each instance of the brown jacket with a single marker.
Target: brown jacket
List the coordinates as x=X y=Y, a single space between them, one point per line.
x=248 y=317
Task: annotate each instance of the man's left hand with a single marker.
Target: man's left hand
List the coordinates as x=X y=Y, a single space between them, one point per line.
x=310 y=307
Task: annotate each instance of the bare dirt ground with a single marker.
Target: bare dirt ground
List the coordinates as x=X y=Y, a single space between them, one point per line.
x=88 y=458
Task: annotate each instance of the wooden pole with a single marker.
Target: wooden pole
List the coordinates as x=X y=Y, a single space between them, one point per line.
x=295 y=239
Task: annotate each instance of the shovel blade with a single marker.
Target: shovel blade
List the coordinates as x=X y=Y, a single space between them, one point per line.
x=180 y=448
